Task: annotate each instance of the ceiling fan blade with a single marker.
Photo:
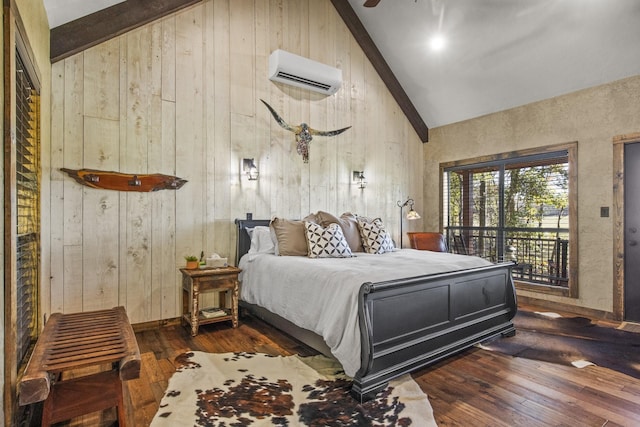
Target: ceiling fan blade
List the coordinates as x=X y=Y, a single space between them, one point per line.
x=371 y=3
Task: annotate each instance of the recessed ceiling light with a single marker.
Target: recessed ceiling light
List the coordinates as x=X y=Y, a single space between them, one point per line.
x=437 y=42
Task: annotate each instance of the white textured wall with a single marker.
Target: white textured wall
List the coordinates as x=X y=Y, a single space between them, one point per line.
x=592 y=117
x=181 y=96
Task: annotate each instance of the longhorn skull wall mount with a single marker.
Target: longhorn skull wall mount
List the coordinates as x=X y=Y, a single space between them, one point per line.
x=304 y=134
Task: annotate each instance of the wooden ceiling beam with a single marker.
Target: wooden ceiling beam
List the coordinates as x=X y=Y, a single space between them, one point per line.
x=78 y=35
x=370 y=49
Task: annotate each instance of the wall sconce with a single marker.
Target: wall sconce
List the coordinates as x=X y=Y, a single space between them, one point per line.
x=359 y=179
x=250 y=169
x=411 y=215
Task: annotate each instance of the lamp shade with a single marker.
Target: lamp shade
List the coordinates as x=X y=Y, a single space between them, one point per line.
x=250 y=169
x=411 y=215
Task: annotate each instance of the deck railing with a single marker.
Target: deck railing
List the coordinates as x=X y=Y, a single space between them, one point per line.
x=541 y=254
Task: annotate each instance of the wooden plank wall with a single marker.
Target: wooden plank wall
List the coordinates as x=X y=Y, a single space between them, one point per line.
x=181 y=96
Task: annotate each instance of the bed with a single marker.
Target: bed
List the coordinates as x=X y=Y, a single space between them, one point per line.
x=382 y=315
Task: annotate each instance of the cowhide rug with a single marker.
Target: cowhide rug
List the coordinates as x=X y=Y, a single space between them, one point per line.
x=248 y=389
x=575 y=341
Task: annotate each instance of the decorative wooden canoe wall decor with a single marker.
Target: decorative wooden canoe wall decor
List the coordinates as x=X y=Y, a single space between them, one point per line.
x=110 y=180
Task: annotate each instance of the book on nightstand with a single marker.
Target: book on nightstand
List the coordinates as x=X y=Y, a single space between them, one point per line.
x=212 y=312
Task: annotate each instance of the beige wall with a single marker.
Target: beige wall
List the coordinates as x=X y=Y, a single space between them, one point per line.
x=592 y=117
x=181 y=96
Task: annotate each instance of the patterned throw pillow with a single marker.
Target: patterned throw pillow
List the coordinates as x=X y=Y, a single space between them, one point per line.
x=375 y=238
x=326 y=242
x=349 y=225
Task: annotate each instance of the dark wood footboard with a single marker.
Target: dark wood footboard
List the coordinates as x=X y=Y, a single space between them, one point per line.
x=410 y=323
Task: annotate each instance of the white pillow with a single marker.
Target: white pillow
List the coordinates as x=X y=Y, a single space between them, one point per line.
x=261 y=242
x=326 y=242
x=375 y=238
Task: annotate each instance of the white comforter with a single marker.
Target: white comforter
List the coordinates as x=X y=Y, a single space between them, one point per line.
x=322 y=294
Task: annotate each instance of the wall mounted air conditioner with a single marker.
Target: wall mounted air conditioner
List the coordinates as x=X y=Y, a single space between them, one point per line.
x=302 y=72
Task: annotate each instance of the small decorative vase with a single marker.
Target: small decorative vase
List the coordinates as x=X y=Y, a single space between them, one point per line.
x=191 y=265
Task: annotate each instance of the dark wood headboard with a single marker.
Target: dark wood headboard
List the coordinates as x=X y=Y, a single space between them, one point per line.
x=243 y=241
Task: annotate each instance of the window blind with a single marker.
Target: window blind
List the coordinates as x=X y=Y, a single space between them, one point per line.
x=27 y=190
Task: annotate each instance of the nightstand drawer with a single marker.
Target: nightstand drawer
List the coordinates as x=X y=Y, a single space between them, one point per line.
x=218 y=283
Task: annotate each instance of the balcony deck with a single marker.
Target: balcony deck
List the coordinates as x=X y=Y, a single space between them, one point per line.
x=539 y=258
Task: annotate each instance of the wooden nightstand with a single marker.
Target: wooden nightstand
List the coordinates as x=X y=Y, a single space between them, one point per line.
x=197 y=281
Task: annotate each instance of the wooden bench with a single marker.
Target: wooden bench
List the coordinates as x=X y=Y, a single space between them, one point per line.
x=80 y=340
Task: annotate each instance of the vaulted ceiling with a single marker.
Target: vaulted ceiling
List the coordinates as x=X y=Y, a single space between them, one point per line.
x=497 y=54
x=501 y=54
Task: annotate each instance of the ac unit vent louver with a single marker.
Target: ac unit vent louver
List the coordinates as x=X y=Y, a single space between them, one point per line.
x=298 y=79
x=285 y=67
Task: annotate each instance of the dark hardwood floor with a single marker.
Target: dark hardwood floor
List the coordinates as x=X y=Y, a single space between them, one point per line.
x=475 y=388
